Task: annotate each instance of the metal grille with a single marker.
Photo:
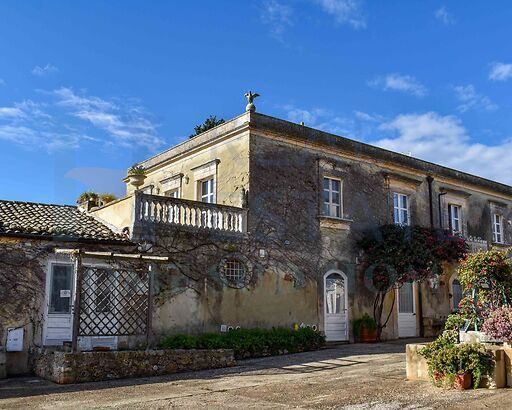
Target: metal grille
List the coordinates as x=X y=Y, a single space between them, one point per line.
x=113 y=302
x=234 y=270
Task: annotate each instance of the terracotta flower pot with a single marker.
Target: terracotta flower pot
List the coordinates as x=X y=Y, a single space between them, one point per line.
x=462 y=381
x=367 y=335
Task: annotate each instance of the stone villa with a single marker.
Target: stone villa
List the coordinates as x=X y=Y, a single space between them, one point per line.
x=256 y=222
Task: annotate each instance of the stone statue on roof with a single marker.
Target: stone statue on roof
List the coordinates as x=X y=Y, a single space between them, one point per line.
x=250 y=100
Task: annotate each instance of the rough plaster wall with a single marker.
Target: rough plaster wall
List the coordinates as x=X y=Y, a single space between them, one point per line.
x=232 y=170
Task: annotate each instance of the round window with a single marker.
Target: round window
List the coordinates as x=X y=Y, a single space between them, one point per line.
x=234 y=272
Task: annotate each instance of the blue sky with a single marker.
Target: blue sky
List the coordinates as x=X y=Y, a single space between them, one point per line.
x=89 y=88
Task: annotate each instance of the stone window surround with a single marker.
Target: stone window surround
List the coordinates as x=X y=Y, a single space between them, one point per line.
x=457 y=198
x=403 y=185
x=333 y=170
x=172 y=183
x=498 y=208
x=203 y=172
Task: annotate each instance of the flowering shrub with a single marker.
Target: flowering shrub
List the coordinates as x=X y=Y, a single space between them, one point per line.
x=490 y=274
x=498 y=324
x=395 y=254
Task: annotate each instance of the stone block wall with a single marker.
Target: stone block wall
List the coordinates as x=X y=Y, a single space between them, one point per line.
x=66 y=368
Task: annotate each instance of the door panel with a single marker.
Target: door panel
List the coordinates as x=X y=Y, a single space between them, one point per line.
x=335 y=299
x=58 y=322
x=406 y=303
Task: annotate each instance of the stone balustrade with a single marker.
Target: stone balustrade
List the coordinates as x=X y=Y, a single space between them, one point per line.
x=156 y=209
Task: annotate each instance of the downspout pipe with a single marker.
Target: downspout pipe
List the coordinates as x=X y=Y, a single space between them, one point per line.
x=420 y=292
x=431 y=204
x=440 y=209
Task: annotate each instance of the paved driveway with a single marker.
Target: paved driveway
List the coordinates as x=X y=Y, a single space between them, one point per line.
x=351 y=376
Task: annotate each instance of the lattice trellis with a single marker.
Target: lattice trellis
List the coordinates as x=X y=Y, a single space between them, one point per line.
x=113 y=302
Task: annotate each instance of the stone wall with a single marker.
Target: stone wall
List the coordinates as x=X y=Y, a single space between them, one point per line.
x=65 y=368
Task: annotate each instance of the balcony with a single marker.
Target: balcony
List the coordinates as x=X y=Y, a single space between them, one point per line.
x=140 y=212
x=155 y=209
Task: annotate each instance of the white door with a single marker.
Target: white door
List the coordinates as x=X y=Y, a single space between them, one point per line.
x=406 y=310
x=335 y=301
x=59 y=296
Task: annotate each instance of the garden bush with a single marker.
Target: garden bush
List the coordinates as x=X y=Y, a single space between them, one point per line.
x=498 y=324
x=250 y=342
x=446 y=360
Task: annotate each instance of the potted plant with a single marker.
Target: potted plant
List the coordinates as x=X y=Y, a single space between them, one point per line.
x=365 y=328
x=136 y=175
x=456 y=365
x=498 y=324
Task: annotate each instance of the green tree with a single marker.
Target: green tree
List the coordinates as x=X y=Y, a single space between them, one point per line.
x=208 y=124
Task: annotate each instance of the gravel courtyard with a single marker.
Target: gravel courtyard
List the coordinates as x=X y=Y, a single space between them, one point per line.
x=345 y=377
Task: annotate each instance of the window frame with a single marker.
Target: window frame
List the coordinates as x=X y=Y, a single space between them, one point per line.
x=398 y=209
x=211 y=194
x=497 y=234
x=330 y=204
x=452 y=219
x=51 y=287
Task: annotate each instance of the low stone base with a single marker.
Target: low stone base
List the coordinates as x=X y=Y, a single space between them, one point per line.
x=417 y=368
x=65 y=368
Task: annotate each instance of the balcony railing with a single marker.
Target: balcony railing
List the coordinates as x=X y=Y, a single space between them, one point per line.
x=181 y=212
x=476 y=244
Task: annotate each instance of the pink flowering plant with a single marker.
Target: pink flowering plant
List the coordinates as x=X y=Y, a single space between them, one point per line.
x=498 y=324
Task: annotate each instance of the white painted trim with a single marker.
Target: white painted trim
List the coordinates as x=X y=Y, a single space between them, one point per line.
x=340 y=180
x=347 y=310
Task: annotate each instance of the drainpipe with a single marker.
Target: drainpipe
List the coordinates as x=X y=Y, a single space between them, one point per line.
x=431 y=205
x=440 y=209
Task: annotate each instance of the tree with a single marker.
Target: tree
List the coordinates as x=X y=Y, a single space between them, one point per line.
x=396 y=254
x=208 y=124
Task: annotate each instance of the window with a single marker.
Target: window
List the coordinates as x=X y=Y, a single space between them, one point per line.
x=332 y=197
x=234 y=271
x=454 y=214
x=497 y=228
x=401 y=208
x=173 y=193
x=61 y=288
x=207 y=191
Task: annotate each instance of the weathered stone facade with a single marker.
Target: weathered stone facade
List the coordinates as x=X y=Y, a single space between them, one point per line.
x=274 y=169
x=66 y=368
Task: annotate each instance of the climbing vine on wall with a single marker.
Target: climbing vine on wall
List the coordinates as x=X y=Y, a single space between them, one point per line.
x=395 y=254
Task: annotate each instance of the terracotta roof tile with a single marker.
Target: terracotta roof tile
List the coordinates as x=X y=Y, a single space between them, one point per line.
x=56 y=221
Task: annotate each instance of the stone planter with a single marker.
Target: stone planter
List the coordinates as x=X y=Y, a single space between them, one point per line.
x=136 y=180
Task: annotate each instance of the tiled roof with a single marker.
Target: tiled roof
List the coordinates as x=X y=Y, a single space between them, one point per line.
x=55 y=221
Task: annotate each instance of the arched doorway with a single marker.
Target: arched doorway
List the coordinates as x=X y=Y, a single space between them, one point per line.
x=335 y=306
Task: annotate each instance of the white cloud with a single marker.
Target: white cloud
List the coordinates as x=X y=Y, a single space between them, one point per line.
x=128 y=125
x=398 y=82
x=11 y=112
x=71 y=119
x=277 y=16
x=345 y=12
x=500 y=72
x=43 y=71
x=444 y=140
x=470 y=100
x=443 y=16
